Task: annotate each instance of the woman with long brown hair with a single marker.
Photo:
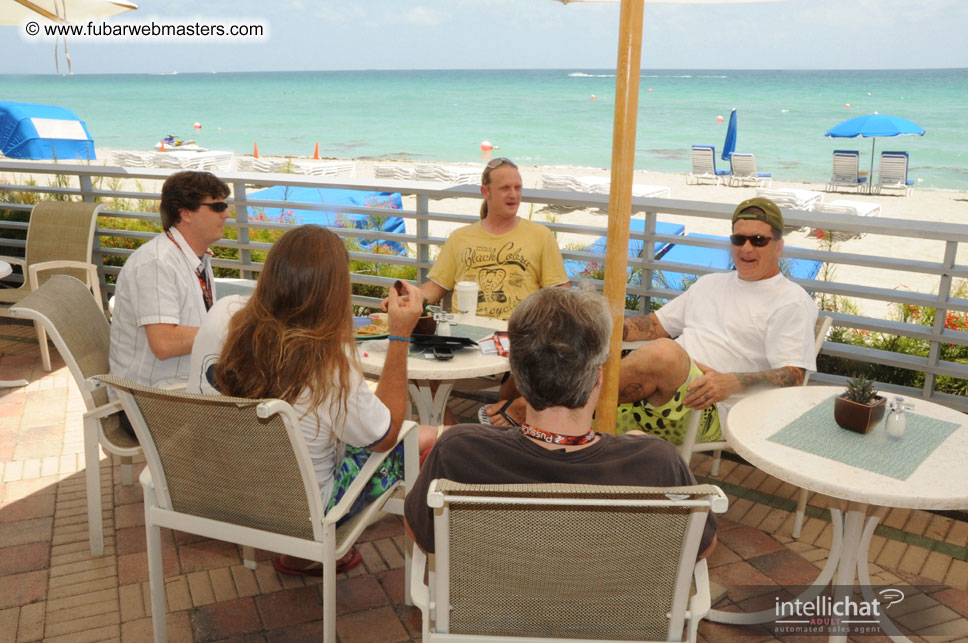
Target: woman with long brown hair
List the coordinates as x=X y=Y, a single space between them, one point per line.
x=293 y=340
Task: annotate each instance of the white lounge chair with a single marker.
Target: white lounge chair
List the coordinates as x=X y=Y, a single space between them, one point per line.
x=393 y=172
x=324 y=168
x=792 y=198
x=843 y=206
x=704 y=166
x=892 y=173
x=506 y=565
x=845 y=172
x=743 y=171
x=447 y=174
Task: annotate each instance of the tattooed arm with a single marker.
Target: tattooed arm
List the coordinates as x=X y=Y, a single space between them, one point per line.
x=778 y=377
x=714 y=386
x=636 y=329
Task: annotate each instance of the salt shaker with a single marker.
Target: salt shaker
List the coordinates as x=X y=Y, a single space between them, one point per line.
x=896 y=422
x=444 y=321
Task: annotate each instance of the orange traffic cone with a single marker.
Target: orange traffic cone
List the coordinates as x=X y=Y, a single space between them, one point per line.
x=316 y=152
x=255 y=152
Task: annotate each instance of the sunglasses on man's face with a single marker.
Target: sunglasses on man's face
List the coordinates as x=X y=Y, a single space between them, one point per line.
x=217 y=206
x=499 y=161
x=757 y=240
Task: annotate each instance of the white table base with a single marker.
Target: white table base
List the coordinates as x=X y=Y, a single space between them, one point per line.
x=848 y=556
x=430 y=406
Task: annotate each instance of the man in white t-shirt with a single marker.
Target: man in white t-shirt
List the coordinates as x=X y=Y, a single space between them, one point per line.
x=734 y=332
x=166 y=286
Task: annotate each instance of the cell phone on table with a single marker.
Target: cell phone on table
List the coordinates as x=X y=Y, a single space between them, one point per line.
x=443 y=352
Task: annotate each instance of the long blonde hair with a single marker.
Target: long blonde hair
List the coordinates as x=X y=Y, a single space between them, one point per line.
x=492 y=165
x=296 y=331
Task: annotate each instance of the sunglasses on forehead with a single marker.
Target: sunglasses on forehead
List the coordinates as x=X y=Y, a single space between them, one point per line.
x=756 y=240
x=217 y=206
x=499 y=161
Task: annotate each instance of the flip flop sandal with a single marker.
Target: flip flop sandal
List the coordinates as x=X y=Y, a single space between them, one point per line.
x=315 y=568
x=484 y=418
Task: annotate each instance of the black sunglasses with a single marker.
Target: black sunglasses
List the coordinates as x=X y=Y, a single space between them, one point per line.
x=499 y=161
x=757 y=240
x=218 y=206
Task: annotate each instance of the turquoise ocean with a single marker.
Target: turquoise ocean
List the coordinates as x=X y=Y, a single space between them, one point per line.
x=536 y=117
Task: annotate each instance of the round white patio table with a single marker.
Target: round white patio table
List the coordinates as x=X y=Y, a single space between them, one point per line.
x=6 y=269
x=467 y=363
x=939 y=482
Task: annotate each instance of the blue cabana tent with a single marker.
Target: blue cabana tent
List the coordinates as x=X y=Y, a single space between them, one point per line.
x=334 y=197
x=31 y=131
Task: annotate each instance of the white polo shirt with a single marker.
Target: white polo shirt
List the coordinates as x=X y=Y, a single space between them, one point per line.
x=157 y=285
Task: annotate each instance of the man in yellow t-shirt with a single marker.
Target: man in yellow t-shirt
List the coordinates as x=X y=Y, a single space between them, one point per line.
x=508 y=257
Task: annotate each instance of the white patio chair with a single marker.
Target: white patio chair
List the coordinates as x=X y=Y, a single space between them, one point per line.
x=892 y=173
x=743 y=171
x=704 y=166
x=690 y=446
x=238 y=470
x=74 y=320
x=845 y=171
x=60 y=237
x=534 y=562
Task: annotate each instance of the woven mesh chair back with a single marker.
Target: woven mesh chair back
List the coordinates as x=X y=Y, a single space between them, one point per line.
x=594 y=572
x=61 y=230
x=74 y=315
x=221 y=461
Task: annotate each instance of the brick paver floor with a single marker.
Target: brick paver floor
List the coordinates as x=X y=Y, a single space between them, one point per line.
x=52 y=589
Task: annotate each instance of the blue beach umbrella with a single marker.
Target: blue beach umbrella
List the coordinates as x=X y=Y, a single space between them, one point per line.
x=872 y=126
x=729 y=145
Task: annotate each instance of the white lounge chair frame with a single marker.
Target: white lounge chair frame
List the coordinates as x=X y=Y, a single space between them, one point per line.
x=743 y=171
x=846 y=171
x=539 y=589
x=892 y=173
x=704 y=166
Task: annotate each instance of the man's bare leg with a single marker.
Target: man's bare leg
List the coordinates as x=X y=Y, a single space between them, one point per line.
x=653 y=373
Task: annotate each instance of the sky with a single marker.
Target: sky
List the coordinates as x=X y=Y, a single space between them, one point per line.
x=512 y=34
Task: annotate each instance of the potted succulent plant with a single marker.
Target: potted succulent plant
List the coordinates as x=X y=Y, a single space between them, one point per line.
x=859 y=407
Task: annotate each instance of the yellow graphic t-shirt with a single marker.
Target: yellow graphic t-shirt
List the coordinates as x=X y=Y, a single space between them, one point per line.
x=506 y=267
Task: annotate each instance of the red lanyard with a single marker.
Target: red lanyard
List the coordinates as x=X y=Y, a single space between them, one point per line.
x=556 y=438
x=200 y=273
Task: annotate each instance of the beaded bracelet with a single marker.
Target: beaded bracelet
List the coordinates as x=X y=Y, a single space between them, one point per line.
x=394 y=338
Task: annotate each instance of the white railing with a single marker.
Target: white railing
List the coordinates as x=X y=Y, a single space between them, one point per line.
x=431 y=204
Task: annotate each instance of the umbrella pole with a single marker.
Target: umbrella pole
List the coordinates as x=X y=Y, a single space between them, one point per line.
x=620 y=198
x=870 y=177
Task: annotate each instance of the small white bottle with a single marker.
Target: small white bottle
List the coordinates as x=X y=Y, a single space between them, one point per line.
x=443 y=324
x=896 y=422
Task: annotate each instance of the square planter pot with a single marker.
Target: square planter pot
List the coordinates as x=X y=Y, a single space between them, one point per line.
x=857 y=417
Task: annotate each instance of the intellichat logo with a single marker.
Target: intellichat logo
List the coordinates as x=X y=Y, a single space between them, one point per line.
x=824 y=614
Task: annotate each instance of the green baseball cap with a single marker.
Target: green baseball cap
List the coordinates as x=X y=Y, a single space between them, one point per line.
x=768 y=212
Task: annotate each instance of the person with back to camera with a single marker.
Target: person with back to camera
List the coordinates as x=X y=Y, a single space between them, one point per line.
x=293 y=340
x=559 y=343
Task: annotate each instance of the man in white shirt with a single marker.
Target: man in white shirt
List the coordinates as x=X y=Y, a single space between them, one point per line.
x=734 y=332
x=166 y=286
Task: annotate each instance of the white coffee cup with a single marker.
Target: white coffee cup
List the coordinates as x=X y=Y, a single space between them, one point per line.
x=466 y=297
